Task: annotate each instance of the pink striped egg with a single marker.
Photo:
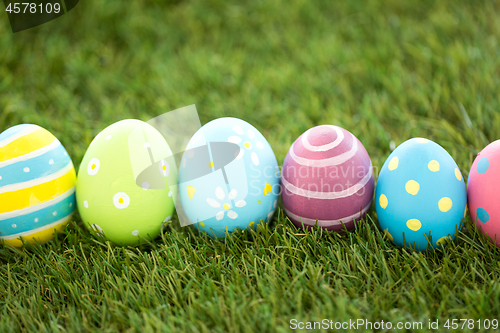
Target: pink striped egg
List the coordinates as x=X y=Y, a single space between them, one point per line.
x=327 y=179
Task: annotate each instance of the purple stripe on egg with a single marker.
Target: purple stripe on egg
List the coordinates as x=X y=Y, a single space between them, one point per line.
x=333 y=192
x=327 y=175
x=328 y=209
x=329 y=223
x=314 y=139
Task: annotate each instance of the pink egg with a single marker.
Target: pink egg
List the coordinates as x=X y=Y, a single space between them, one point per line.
x=327 y=179
x=483 y=191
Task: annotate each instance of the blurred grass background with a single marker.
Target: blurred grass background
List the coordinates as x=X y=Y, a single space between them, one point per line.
x=384 y=70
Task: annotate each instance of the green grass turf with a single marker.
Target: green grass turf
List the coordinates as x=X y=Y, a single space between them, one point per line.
x=384 y=70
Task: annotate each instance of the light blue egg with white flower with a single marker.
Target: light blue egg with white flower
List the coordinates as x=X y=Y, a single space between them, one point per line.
x=228 y=178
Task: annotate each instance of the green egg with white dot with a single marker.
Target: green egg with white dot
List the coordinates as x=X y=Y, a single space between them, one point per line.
x=122 y=190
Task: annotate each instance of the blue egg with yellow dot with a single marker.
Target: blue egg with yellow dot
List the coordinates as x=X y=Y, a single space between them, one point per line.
x=420 y=196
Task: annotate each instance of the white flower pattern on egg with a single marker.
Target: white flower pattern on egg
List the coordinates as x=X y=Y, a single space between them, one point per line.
x=98 y=230
x=121 y=200
x=164 y=168
x=93 y=166
x=272 y=209
x=220 y=195
x=114 y=198
x=247 y=144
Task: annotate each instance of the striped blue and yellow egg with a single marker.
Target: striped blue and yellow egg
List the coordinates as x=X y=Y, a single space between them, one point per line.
x=420 y=195
x=37 y=185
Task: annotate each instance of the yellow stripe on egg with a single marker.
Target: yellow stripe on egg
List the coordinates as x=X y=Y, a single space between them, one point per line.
x=32 y=209
x=30 y=155
x=26 y=144
x=39 y=235
x=25 y=131
x=27 y=196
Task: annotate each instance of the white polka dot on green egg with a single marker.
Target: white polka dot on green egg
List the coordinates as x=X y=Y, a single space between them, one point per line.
x=420 y=195
x=114 y=204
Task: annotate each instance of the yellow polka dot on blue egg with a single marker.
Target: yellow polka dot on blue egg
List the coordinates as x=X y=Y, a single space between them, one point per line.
x=37 y=185
x=421 y=195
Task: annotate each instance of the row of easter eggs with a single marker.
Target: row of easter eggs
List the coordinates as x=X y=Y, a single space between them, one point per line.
x=129 y=184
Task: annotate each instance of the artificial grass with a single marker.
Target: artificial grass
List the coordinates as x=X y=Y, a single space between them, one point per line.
x=384 y=70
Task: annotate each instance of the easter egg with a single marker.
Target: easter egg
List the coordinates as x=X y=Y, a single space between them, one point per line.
x=37 y=185
x=327 y=179
x=113 y=201
x=228 y=178
x=482 y=191
x=420 y=195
